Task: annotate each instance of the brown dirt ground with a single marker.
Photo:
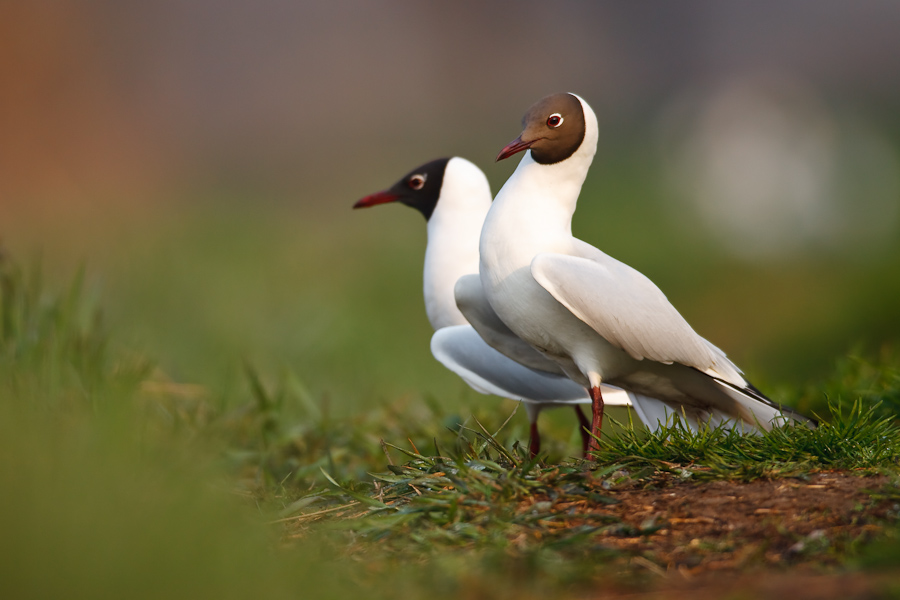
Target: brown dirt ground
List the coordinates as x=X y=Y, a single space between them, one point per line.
x=763 y=539
x=724 y=525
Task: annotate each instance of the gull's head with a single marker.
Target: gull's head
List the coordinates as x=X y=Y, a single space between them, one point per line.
x=554 y=129
x=419 y=189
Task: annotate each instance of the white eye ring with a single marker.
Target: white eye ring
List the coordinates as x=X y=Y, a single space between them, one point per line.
x=417 y=182
x=550 y=118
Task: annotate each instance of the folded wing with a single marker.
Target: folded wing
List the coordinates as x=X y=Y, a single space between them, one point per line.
x=623 y=306
x=631 y=313
x=474 y=305
x=461 y=349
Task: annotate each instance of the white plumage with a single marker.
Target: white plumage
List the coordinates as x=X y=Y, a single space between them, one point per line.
x=598 y=319
x=451 y=262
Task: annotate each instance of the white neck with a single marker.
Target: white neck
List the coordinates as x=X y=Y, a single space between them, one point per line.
x=533 y=210
x=453 y=232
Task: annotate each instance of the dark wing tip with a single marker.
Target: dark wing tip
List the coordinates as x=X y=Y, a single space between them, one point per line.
x=753 y=392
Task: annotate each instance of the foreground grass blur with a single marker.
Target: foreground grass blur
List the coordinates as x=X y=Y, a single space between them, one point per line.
x=102 y=496
x=124 y=483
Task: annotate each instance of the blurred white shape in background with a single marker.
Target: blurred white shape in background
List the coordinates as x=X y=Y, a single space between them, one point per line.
x=763 y=166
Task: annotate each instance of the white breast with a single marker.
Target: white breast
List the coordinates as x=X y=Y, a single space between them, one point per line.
x=453 y=234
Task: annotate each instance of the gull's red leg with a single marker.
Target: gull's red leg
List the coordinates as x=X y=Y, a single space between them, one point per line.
x=597 y=418
x=534 y=444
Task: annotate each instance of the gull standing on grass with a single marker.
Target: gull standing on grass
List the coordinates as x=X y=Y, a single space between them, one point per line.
x=600 y=320
x=454 y=197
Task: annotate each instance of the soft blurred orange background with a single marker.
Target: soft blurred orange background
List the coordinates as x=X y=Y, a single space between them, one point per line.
x=115 y=98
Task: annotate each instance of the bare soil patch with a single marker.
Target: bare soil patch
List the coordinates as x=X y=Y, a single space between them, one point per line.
x=785 y=538
x=693 y=528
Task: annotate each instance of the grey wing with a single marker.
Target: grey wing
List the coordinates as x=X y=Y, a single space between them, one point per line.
x=623 y=306
x=477 y=310
x=461 y=349
x=630 y=312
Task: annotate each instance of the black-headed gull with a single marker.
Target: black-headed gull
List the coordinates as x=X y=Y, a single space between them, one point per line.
x=454 y=197
x=600 y=320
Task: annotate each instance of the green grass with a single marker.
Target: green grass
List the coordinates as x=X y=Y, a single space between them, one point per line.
x=474 y=507
x=855 y=437
x=104 y=495
x=123 y=480
x=466 y=501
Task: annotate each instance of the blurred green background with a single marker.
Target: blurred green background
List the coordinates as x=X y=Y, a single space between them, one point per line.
x=201 y=160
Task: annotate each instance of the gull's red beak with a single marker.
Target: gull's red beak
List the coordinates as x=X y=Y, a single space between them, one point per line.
x=515 y=146
x=377 y=198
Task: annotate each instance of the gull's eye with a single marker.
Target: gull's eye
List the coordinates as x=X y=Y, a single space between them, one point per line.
x=416 y=182
x=554 y=120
